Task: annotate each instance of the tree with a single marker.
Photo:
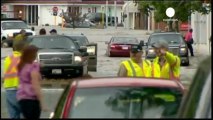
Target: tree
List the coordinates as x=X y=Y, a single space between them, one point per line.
x=72 y=17
x=183 y=9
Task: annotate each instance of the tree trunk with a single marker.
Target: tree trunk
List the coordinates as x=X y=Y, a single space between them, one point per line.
x=170 y=26
x=177 y=26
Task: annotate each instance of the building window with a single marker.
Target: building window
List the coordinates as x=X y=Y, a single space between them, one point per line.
x=93 y=9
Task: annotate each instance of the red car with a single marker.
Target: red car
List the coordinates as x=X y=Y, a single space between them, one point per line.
x=120 y=98
x=120 y=46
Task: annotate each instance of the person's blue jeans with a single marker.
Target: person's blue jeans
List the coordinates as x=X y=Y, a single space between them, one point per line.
x=12 y=104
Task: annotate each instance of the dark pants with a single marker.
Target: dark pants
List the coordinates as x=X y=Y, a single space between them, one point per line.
x=190 y=48
x=30 y=109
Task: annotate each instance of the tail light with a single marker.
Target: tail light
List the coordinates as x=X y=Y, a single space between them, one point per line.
x=112 y=46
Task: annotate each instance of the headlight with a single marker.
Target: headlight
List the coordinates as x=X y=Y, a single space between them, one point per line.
x=10 y=34
x=151 y=51
x=86 y=20
x=182 y=50
x=51 y=115
x=78 y=59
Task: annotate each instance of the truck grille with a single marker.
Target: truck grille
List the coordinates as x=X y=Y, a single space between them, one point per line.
x=174 y=50
x=55 y=58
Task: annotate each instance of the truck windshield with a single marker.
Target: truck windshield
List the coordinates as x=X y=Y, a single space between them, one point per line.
x=53 y=42
x=14 y=25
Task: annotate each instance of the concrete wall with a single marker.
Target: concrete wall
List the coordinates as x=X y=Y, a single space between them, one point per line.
x=201 y=25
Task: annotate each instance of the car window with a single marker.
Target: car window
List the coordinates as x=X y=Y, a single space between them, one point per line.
x=125 y=102
x=82 y=41
x=14 y=25
x=125 y=40
x=170 y=38
x=53 y=43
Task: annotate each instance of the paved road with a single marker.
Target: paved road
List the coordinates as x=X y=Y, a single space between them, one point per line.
x=107 y=66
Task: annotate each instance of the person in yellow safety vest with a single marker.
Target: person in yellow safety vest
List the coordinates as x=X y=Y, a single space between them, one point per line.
x=135 y=66
x=166 y=64
x=11 y=80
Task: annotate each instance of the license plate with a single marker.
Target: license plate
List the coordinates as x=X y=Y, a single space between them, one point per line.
x=56 y=71
x=125 y=48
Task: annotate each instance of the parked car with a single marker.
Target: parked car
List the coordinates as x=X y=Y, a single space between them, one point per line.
x=91 y=49
x=120 y=98
x=177 y=45
x=61 y=55
x=197 y=103
x=10 y=27
x=120 y=46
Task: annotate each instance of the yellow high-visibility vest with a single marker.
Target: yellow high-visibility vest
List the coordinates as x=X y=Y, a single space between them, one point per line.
x=170 y=70
x=11 y=79
x=134 y=70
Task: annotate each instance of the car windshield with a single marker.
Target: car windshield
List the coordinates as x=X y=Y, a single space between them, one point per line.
x=125 y=102
x=170 y=38
x=125 y=40
x=14 y=25
x=53 y=42
x=82 y=41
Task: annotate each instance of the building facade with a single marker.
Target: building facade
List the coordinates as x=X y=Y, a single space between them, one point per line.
x=40 y=12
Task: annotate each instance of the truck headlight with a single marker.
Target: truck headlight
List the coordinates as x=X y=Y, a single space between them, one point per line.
x=78 y=59
x=151 y=51
x=10 y=34
x=182 y=50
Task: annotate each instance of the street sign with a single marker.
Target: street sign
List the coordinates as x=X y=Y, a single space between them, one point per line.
x=3 y=8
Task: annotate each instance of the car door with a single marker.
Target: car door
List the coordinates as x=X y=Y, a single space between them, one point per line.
x=197 y=102
x=92 y=58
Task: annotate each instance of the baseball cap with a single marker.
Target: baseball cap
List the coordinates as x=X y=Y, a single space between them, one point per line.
x=136 y=48
x=53 y=30
x=160 y=44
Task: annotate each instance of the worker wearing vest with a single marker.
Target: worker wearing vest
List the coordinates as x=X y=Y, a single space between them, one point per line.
x=20 y=37
x=135 y=66
x=11 y=80
x=165 y=65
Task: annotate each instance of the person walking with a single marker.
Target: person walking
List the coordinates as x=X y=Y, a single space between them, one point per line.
x=11 y=80
x=135 y=66
x=189 y=41
x=166 y=65
x=29 y=93
x=42 y=31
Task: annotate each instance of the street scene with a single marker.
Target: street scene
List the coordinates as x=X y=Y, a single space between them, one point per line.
x=98 y=45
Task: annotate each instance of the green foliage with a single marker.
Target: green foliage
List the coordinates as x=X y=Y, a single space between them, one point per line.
x=183 y=8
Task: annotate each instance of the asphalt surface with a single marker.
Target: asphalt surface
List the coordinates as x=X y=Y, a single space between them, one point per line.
x=106 y=66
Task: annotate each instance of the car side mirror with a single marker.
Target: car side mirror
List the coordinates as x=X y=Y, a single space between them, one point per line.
x=33 y=29
x=84 y=54
x=141 y=43
x=83 y=49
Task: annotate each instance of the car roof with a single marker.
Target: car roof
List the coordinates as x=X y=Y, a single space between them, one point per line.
x=127 y=81
x=165 y=33
x=46 y=36
x=11 y=19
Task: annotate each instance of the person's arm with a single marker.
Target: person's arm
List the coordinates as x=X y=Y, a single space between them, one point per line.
x=122 y=71
x=173 y=60
x=35 y=75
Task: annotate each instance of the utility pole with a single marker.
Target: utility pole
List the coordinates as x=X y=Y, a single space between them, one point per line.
x=106 y=13
x=115 y=20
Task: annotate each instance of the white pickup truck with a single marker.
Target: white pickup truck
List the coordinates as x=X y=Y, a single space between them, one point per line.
x=11 y=27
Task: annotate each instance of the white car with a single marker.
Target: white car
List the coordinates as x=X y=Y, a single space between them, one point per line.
x=12 y=27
